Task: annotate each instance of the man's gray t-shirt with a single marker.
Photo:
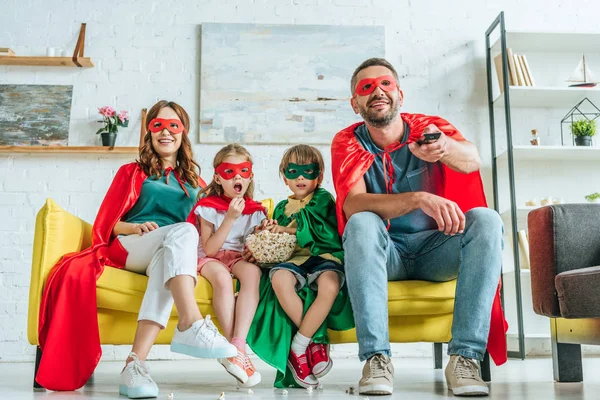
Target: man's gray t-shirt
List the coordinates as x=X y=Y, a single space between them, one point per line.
x=411 y=175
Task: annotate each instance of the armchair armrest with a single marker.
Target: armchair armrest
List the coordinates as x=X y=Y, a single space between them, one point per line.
x=561 y=238
x=57 y=233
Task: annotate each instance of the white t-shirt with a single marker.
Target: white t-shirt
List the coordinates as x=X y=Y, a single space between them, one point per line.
x=242 y=227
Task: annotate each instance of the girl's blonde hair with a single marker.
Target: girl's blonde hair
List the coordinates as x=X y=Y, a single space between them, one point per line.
x=301 y=154
x=213 y=188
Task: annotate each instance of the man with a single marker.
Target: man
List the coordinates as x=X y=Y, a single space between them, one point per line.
x=415 y=210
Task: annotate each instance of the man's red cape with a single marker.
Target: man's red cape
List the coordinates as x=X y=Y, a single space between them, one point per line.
x=221 y=203
x=68 y=324
x=350 y=161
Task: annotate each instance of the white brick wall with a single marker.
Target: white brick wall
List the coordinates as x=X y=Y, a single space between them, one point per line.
x=437 y=47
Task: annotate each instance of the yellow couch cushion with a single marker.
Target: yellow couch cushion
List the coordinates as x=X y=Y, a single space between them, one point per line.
x=122 y=290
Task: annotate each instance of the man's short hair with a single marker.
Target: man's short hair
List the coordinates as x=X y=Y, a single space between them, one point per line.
x=370 y=63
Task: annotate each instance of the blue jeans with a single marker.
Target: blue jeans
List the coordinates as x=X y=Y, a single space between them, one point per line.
x=474 y=257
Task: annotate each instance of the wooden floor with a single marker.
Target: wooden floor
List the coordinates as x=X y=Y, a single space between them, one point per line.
x=414 y=379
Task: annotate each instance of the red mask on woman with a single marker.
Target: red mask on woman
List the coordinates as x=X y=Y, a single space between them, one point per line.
x=174 y=126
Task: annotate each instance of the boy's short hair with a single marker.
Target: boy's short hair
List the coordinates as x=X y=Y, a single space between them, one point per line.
x=301 y=154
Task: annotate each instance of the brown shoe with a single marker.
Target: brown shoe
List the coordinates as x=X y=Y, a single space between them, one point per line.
x=377 y=376
x=463 y=378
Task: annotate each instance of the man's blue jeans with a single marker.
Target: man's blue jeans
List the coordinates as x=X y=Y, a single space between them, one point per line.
x=372 y=259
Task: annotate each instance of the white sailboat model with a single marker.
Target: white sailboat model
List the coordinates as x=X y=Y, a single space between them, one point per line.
x=583 y=75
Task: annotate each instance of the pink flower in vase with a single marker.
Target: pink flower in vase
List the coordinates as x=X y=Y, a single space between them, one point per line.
x=107 y=111
x=124 y=116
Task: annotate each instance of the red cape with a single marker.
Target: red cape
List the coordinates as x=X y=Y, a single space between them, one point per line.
x=221 y=203
x=350 y=161
x=68 y=324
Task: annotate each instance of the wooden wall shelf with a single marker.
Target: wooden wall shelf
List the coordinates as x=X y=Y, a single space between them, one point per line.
x=47 y=61
x=78 y=60
x=69 y=149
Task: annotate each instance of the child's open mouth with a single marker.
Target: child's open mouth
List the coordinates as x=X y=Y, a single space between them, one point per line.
x=301 y=186
x=237 y=188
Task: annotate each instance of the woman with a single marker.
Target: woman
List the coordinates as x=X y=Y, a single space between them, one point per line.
x=140 y=227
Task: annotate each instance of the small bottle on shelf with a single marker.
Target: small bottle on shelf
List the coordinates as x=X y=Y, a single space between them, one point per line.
x=535 y=138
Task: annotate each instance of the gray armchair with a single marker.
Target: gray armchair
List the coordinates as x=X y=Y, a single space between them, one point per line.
x=564 y=245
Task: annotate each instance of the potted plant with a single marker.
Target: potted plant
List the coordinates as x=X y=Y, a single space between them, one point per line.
x=583 y=130
x=593 y=198
x=111 y=121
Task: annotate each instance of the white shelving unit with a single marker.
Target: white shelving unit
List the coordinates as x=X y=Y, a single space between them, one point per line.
x=550 y=56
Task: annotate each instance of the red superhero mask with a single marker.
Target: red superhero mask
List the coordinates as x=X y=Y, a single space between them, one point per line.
x=366 y=86
x=174 y=126
x=228 y=171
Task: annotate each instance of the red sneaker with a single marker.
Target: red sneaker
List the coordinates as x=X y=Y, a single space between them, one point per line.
x=318 y=359
x=301 y=371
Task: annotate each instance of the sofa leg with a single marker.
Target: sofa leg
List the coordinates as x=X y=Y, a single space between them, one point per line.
x=566 y=361
x=486 y=373
x=437 y=356
x=38 y=357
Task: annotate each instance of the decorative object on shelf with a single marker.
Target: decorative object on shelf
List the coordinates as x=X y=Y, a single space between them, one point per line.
x=583 y=75
x=524 y=249
x=535 y=138
x=77 y=60
x=111 y=121
x=583 y=130
x=593 y=198
x=581 y=120
x=531 y=203
x=6 y=52
x=35 y=115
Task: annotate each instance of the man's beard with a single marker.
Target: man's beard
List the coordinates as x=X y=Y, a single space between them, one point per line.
x=378 y=120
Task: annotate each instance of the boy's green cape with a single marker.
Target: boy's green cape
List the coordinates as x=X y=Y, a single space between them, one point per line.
x=271 y=332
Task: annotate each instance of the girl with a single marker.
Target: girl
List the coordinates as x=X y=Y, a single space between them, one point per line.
x=225 y=216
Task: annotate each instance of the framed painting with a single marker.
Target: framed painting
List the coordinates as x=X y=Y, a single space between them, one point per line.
x=35 y=115
x=280 y=84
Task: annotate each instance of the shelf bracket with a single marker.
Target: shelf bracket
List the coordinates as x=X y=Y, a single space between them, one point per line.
x=79 y=46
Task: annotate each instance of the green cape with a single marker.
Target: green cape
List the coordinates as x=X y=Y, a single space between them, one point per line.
x=271 y=332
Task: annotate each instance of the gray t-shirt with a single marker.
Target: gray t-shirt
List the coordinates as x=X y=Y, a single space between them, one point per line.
x=411 y=175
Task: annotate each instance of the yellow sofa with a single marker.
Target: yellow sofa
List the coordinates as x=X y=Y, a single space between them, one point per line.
x=419 y=311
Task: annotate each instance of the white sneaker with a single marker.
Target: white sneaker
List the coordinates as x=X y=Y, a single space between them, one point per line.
x=136 y=382
x=202 y=340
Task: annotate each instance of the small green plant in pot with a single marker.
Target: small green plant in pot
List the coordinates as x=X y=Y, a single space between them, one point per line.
x=593 y=198
x=583 y=130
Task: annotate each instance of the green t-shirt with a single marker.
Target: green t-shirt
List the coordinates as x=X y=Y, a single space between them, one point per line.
x=163 y=203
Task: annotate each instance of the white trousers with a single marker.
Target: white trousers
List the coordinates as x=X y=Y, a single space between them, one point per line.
x=162 y=254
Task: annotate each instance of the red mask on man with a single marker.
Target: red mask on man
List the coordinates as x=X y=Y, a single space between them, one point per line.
x=174 y=126
x=229 y=171
x=366 y=86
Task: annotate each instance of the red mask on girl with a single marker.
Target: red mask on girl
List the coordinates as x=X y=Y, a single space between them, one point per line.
x=228 y=171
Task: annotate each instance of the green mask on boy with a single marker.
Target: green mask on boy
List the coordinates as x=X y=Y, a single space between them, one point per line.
x=308 y=171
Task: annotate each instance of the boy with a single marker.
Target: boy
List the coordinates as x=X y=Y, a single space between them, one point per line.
x=309 y=213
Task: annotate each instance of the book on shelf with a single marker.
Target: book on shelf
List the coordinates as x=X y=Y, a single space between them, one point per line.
x=511 y=66
x=499 y=72
x=528 y=70
x=520 y=77
x=525 y=74
x=5 y=51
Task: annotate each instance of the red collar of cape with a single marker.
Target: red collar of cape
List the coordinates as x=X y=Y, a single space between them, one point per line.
x=221 y=203
x=350 y=161
x=68 y=322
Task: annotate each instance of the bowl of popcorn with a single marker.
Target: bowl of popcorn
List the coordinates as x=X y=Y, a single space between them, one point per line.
x=271 y=248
